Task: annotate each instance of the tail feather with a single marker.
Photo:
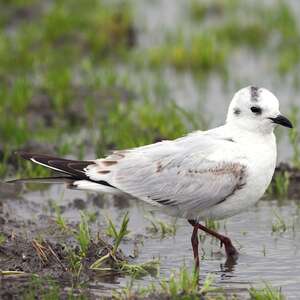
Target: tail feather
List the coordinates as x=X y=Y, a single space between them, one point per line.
x=73 y=168
x=54 y=179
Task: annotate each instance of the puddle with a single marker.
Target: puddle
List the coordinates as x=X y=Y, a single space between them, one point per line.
x=267 y=256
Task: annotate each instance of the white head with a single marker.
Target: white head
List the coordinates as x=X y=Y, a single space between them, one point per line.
x=256 y=109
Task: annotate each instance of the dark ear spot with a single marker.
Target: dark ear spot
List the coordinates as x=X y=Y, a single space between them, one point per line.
x=256 y=110
x=236 y=111
x=254 y=93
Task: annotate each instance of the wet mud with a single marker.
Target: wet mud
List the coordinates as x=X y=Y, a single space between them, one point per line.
x=24 y=261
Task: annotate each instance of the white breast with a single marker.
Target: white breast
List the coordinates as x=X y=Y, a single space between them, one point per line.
x=261 y=161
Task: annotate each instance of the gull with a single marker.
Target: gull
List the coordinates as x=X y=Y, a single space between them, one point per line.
x=211 y=174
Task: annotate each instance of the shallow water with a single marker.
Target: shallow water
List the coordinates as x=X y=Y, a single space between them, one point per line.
x=265 y=256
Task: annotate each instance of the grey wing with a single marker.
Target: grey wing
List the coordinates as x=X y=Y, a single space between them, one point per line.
x=190 y=183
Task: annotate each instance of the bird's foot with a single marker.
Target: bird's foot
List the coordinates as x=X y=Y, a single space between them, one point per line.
x=230 y=250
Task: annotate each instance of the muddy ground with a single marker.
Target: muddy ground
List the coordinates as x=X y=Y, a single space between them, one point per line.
x=45 y=260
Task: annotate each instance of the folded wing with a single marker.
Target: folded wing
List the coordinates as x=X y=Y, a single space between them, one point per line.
x=181 y=176
x=184 y=184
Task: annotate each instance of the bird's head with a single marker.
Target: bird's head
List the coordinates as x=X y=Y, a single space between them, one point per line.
x=256 y=109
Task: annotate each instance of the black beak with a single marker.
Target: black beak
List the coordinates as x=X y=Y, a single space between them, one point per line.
x=281 y=120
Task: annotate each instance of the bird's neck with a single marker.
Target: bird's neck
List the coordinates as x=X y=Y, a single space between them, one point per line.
x=245 y=134
x=257 y=129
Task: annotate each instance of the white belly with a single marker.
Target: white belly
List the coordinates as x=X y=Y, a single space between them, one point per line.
x=259 y=175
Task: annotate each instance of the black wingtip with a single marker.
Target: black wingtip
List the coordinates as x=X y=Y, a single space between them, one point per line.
x=23 y=154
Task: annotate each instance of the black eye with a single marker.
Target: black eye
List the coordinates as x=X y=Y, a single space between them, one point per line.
x=256 y=110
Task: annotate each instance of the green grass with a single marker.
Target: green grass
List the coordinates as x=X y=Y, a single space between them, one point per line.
x=2 y=239
x=41 y=64
x=180 y=285
x=108 y=263
x=50 y=293
x=279 y=225
x=72 y=30
x=83 y=235
x=60 y=220
x=139 y=270
x=123 y=126
x=294 y=137
x=210 y=47
x=279 y=188
x=202 y=53
x=74 y=262
x=117 y=235
x=161 y=228
x=212 y=224
x=199 y=10
x=122 y=265
x=185 y=285
x=4 y=163
x=139 y=123
x=266 y=293
x=47 y=289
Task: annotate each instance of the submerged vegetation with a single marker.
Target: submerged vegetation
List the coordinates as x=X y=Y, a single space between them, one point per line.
x=279 y=225
x=160 y=228
x=181 y=285
x=185 y=285
x=266 y=293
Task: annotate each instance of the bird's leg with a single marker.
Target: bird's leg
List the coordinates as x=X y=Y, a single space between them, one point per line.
x=195 y=243
x=230 y=250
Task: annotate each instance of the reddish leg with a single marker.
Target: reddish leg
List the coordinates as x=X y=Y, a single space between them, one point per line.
x=195 y=245
x=230 y=250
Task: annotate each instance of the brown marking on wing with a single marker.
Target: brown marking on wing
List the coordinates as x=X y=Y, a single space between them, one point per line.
x=109 y=162
x=159 y=167
x=239 y=172
x=103 y=172
x=235 y=168
x=120 y=154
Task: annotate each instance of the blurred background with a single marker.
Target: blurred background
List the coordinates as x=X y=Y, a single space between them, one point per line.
x=79 y=78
